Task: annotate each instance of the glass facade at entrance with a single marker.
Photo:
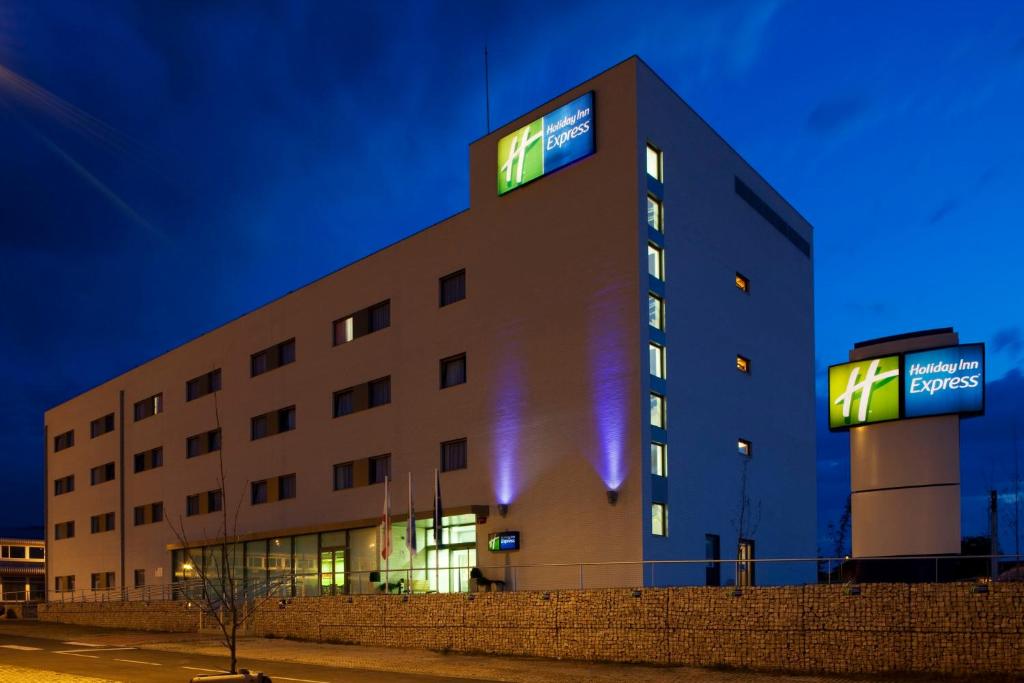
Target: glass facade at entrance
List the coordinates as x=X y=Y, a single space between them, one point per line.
x=337 y=562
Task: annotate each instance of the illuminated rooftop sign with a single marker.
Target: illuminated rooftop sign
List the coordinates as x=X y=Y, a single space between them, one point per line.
x=944 y=381
x=546 y=144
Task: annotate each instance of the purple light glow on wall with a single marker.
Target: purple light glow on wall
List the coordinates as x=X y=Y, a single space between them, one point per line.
x=609 y=360
x=508 y=414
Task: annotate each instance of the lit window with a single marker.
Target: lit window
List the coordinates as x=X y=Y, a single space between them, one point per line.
x=659 y=519
x=744 y=447
x=344 y=330
x=657 y=410
x=656 y=312
x=659 y=459
x=657 y=360
x=743 y=364
x=742 y=283
x=654 y=162
x=655 y=262
x=655 y=214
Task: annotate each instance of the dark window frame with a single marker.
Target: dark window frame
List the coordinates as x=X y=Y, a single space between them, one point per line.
x=374 y=476
x=446 y=362
x=348 y=467
x=102 y=425
x=448 y=296
x=451 y=461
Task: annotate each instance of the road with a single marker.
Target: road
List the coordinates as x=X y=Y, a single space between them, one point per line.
x=133 y=664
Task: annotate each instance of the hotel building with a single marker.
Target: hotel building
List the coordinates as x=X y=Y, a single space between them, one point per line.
x=615 y=360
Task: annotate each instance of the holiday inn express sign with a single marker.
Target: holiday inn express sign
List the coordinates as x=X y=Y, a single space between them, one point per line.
x=546 y=144
x=944 y=381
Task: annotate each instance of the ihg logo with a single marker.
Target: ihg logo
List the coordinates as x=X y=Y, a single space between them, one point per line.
x=523 y=155
x=864 y=392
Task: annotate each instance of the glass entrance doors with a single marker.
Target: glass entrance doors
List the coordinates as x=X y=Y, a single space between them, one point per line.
x=332 y=571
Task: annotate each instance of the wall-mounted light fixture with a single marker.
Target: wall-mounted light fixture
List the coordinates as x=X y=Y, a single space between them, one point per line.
x=613 y=496
x=503 y=509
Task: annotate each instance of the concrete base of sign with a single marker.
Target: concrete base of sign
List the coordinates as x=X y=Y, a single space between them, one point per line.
x=905 y=476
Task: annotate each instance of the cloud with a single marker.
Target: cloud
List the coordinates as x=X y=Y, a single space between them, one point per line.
x=947 y=207
x=837 y=114
x=1010 y=340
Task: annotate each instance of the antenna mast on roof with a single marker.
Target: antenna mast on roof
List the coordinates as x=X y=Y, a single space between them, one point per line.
x=487 y=90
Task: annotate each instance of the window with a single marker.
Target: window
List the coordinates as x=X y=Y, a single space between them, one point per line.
x=103 y=581
x=259 y=492
x=140 y=578
x=654 y=162
x=380 y=392
x=743 y=364
x=380 y=316
x=367 y=321
x=273 y=357
x=454 y=455
x=769 y=214
x=102 y=473
x=286 y=487
x=202 y=385
x=147 y=460
x=148 y=407
x=655 y=261
x=659 y=459
x=64 y=485
x=63 y=530
x=149 y=514
x=380 y=467
x=101 y=425
x=655 y=214
x=656 y=353
x=657 y=410
x=742 y=284
x=344 y=330
x=100 y=523
x=744 y=447
x=65 y=440
x=200 y=444
x=453 y=371
x=344 y=402
x=453 y=288
x=712 y=553
x=343 y=478
x=659 y=519
x=268 y=424
x=214 y=501
x=656 y=312
x=35 y=553
x=64 y=584
x=192 y=505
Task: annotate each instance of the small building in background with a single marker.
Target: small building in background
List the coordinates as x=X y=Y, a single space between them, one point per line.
x=22 y=572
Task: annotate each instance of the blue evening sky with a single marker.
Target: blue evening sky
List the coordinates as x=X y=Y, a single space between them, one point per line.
x=167 y=166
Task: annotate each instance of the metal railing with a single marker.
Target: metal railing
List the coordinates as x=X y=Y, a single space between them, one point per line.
x=585 y=575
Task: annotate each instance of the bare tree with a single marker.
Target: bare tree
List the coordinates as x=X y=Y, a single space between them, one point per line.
x=222 y=595
x=748 y=513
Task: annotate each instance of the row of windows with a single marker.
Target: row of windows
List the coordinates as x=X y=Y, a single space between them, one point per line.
x=656 y=351
x=100 y=523
x=451 y=289
x=149 y=514
x=21 y=552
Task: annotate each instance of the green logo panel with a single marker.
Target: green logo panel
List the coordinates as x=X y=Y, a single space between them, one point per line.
x=521 y=156
x=864 y=392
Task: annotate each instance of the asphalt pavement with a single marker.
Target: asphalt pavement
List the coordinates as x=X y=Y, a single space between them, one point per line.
x=128 y=663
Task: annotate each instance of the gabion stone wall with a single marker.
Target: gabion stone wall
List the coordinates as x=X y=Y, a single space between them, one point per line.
x=940 y=628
